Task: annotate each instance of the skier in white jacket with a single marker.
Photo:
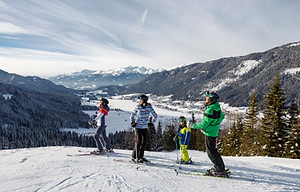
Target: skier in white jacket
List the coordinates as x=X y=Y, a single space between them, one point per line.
x=140 y=121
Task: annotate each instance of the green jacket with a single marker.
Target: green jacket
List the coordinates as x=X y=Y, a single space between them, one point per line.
x=212 y=118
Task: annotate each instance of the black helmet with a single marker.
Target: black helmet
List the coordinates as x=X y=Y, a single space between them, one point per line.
x=105 y=101
x=182 y=118
x=143 y=97
x=212 y=95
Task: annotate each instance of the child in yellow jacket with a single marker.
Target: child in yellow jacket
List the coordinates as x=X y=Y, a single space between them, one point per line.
x=184 y=134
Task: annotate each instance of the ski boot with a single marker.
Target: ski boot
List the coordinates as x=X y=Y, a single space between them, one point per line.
x=110 y=151
x=181 y=161
x=98 y=152
x=140 y=160
x=145 y=160
x=213 y=172
x=187 y=162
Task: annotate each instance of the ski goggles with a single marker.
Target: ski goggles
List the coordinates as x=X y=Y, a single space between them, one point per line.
x=208 y=94
x=182 y=120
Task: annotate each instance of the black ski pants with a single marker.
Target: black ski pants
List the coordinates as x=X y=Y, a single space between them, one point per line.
x=141 y=139
x=213 y=153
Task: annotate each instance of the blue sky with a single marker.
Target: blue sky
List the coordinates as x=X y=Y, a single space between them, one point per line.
x=52 y=37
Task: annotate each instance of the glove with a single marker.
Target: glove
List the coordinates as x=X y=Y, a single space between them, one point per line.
x=92 y=122
x=150 y=125
x=133 y=124
x=189 y=124
x=175 y=138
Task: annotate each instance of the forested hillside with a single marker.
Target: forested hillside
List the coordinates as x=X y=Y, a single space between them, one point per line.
x=234 y=78
x=36 y=116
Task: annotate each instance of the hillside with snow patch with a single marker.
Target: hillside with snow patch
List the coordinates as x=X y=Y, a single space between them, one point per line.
x=234 y=78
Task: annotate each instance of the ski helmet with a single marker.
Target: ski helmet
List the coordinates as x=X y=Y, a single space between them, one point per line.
x=105 y=101
x=212 y=95
x=182 y=119
x=143 y=97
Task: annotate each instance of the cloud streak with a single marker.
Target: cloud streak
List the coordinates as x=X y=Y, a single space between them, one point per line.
x=112 y=34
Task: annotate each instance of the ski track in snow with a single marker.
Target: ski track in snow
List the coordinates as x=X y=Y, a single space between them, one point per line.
x=50 y=169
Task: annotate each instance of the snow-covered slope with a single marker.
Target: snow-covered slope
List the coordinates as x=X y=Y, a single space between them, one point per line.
x=50 y=169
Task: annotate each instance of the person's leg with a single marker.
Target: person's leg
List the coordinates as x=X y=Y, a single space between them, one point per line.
x=97 y=138
x=213 y=154
x=137 y=146
x=184 y=152
x=144 y=138
x=106 y=139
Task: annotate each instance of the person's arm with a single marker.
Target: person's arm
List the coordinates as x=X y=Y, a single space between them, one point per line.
x=154 y=114
x=99 y=116
x=203 y=125
x=133 y=114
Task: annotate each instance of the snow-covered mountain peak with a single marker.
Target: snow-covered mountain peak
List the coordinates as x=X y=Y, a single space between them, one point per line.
x=89 y=79
x=128 y=70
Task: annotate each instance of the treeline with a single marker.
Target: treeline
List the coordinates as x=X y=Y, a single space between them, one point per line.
x=22 y=137
x=275 y=134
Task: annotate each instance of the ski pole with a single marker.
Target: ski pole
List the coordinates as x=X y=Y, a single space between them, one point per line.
x=177 y=156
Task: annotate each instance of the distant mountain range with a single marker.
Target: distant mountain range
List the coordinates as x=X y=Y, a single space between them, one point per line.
x=88 y=79
x=32 y=83
x=232 y=78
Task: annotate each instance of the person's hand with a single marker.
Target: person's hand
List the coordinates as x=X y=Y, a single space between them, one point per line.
x=133 y=124
x=150 y=125
x=189 y=124
x=92 y=122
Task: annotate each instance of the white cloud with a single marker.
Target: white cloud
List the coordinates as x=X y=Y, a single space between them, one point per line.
x=11 y=29
x=145 y=33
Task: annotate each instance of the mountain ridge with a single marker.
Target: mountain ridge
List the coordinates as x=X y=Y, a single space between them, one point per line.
x=233 y=78
x=33 y=83
x=91 y=79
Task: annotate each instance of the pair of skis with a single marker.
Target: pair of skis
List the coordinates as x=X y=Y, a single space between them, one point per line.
x=85 y=153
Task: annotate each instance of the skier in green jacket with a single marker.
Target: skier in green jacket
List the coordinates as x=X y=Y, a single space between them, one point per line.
x=210 y=125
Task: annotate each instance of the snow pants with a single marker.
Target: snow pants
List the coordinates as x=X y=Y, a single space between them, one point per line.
x=184 y=152
x=101 y=131
x=141 y=139
x=213 y=153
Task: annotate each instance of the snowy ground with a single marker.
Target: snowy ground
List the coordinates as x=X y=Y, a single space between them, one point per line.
x=50 y=169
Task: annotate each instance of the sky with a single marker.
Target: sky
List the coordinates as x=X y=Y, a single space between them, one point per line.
x=50 y=37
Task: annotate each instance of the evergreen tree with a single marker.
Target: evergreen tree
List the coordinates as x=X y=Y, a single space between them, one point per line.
x=159 y=137
x=233 y=139
x=168 y=136
x=273 y=122
x=197 y=140
x=292 y=146
x=250 y=142
x=151 y=143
